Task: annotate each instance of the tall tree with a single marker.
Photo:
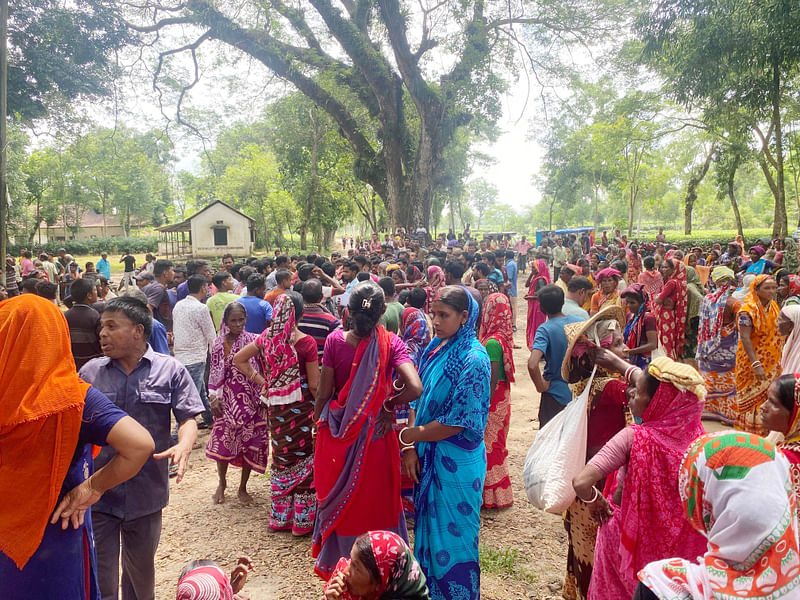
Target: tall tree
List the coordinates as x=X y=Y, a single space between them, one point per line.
x=482 y=195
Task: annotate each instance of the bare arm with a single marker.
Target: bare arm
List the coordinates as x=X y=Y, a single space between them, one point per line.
x=179 y=453
x=312 y=375
x=431 y=432
x=412 y=386
x=652 y=344
x=324 y=391
x=539 y=382
x=747 y=343
x=241 y=360
x=133 y=446
x=495 y=378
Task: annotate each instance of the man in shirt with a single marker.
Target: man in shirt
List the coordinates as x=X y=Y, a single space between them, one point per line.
x=148 y=386
x=511 y=273
x=550 y=343
x=193 y=332
x=26 y=264
x=579 y=290
x=130 y=267
x=49 y=267
x=393 y=314
x=156 y=292
x=560 y=256
x=194 y=267
x=521 y=248
x=284 y=280
x=281 y=262
x=259 y=311
x=223 y=281
x=143 y=279
x=84 y=322
x=315 y=320
x=103 y=266
x=565 y=276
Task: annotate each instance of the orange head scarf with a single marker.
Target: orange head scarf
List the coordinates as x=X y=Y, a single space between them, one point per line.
x=41 y=405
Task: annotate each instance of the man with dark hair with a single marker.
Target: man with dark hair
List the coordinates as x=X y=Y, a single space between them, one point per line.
x=393 y=315
x=194 y=267
x=281 y=262
x=223 y=282
x=284 y=280
x=84 y=322
x=147 y=385
x=259 y=311
x=127 y=258
x=49 y=290
x=226 y=263
x=565 y=276
x=550 y=343
x=511 y=289
x=578 y=291
x=194 y=333
x=316 y=321
x=156 y=292
x=453 y=272
x=417 y=298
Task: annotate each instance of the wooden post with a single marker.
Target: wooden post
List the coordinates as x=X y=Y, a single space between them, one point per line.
x=3 y=136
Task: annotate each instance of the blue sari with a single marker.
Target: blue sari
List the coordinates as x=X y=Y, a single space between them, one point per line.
x=456 y=379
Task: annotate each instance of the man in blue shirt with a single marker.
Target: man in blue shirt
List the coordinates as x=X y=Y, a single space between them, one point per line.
x=511 y=272
x=550 y=343
x=103 y=266
x=259 y=311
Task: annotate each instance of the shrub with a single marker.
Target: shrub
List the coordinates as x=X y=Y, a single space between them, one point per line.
x=112 y=245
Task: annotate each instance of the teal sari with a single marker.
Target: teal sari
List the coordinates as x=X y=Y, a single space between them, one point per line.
x=456 y=379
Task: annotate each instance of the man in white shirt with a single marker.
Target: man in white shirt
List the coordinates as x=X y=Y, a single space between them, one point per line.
x=194 y=332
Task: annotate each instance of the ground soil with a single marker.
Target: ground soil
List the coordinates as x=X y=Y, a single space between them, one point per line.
x=195 y=528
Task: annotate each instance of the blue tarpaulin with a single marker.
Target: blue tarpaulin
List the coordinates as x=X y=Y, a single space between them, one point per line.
x=541 y=232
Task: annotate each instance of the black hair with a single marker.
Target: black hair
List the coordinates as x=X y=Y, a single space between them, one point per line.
x=417 y=297
x=455 y=268
x=312 y=291
x=402 y=297
x=434 y=262
x=483 y=268
x=786 y=385
x=255 y=281
x=620 y=266
x=579 y=283
x=328 y=268
x=363 y=276
x=652 y=384
x=48 y=289
x=160 y=266
x=312 y=257
x=281 y=260
x=387 y=285
x=282 y=275
x=199 y=265
x=134 y=310
x=261 y=264
x=454 y=296
x=509 y=254
x=195 y=283
x=235 y=268
x=304 y=271
x=81 y=288
x=649 y=262
x=360 y=260
x=363 y=547
x=365 y=308
x=28 y=285
x=351 y=265
x=245 y=272
x=219 y=278
x=224 y=256
x=297 y=300
x=319 y=261
x=551 y=299
x=230 y=307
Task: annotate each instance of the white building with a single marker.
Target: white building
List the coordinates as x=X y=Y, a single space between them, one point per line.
x=215 y=230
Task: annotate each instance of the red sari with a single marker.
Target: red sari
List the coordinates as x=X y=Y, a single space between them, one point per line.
x=496 y=324
x=672 y=321
x=535 y=314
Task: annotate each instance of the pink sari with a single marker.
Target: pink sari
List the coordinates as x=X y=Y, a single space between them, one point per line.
x=535 y=314
x=651 y=524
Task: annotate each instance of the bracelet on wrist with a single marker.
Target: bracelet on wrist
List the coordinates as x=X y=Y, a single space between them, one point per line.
x=594 y=498
x=388 y=410
x=400 y=437
x=406 y=448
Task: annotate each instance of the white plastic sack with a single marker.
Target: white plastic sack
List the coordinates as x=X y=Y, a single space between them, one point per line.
x=557 y=455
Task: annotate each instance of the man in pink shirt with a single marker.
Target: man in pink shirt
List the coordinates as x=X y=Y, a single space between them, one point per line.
x=26 y=264
x=522 y=248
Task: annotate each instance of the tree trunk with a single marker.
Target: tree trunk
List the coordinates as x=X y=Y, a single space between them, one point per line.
x=691 y=192
x=779 y=225
x=734 y=203
x=312 y=182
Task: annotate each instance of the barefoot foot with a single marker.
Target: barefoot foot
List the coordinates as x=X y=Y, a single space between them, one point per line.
x=219 y=495
x=244 y=497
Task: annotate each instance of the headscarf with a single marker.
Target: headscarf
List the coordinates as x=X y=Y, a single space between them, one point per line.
x=609 y=272
x=650 y=504
x=794 y=285
x=709 y=332
x=401 y=576
x=790 y=359
x=542 y=270
x=635 y=324
x=40 y=419
x=281 y=365
x=416 y=333
x=435 y=283
x=496 y=324
x=734 y=488
x=204 y=583
x=793 y=434
x=758 y=250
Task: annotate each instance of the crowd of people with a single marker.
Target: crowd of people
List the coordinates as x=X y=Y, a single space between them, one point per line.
x=373 y=386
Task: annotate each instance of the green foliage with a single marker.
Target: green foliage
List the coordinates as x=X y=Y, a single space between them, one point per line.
x=504 y=561
x=111 y=245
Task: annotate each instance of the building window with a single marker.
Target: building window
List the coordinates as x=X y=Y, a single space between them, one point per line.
x=220 y=237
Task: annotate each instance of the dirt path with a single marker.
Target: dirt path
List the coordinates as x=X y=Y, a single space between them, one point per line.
x=523 y=549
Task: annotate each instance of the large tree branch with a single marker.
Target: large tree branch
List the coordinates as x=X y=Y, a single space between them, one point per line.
x=765 y=145
x=297 y=19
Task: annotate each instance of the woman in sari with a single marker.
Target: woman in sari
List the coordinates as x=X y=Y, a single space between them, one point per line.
x=651 y=279
x=435 y=283
x=538 y=278
x=789 y=328
x=634 y=263
x=416 y=333
x=670 y=308
x=608 y=414
x=50 y=420
x=703 y=272
x=641 y=332
x=608 y=294
x=695 y=293
x=240 y=434
x=781 y=414
x=381 y=567
x=644 y=523
x=286 y=354
x=748 y=518
x=792 y=295
x=356 y=471
x=445 y=451
x=758 y=264
x=497 y=337
x=717 y=339
x=758 y=354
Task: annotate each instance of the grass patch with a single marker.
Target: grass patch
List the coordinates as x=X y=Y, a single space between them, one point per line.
x=505 y=561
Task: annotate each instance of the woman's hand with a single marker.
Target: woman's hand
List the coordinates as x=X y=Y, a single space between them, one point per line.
x=411 y=465
x=74 y=505
x=239 y=575
x=216 y=406
x=760 y=373
x=385 y=422
x=335 y=587
x=601 y=510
